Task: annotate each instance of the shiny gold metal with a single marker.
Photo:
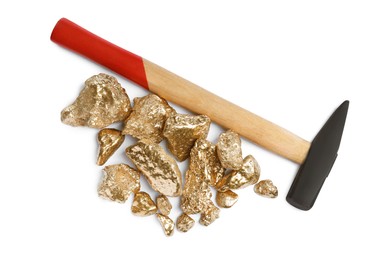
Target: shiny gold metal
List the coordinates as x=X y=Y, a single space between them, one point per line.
x=109 y=141
x=226 y=199
x=147 y=118
x=210 y=214
x=229 y=150
x=118 y=182
x=196 y=193
x=143 y=205
x=248 y=174
x=164 y=205
x=206 y=160
x=160 y=169
x=102 y=102
x=181 y=132
x=167 y=224
x=266 y=188
x=184 y=223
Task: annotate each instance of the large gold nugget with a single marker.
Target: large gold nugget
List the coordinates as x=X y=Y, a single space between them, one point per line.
x=266 y=188
x=226 y=199
x=109 y=141
x=118 y=182
x=147 y=118
x=102 y=102
x=209 y=215
x=143 y=205
x=164 y=205
x=167 y=224
x=196 y=193
x=229 y=150
x=181 y=132
x=249 y=174
x=184 y=223
x=160 y=169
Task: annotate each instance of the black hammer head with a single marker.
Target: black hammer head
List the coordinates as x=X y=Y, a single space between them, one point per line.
x=319 y=161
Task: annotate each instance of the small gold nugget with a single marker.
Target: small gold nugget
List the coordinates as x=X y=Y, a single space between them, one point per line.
x=210 y=214
x=226 y=199
x=164 y=205
x=266 y=188
x=118 y=182
x=167 y=224
x=229 y=150
x=196 y=193
x=184 y=223
x=147 y=118
x=102 y=102
x=143 y=205
x=109 y=140
x=248 y=174
x=160 y=169
x=205 y=160
x=208 y=161
x=181 y=132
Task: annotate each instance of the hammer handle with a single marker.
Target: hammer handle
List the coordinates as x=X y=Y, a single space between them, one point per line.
x=181 y=91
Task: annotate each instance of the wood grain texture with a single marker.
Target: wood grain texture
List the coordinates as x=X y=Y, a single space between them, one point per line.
x=196 y=99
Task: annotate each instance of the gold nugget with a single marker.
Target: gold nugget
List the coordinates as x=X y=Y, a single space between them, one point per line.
x=210 y=214
x=226 y=199
x=160 y=169
x=181 y=132
x=208 y=161
x=196 y=193
x=248 y=174
x=266 y=188
x=164 y=205
x=109 y=141
x=143 y=205
x=102 y=102
x=167 y=224
x=229 y=150
x=184 y=223
x=147 y=118
x=118 y=182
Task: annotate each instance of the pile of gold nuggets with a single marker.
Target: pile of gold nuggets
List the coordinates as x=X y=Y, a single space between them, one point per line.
x=104 y=101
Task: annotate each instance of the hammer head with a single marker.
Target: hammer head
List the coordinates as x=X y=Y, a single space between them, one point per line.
x=319 y=161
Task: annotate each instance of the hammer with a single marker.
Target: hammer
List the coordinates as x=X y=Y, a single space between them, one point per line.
x=316 y=158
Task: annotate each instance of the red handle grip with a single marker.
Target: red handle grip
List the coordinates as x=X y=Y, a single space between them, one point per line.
x=77 y=39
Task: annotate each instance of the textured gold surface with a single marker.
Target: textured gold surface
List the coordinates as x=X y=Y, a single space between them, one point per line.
x=102 y=102
x=167 y=224
x=181 y=132
x=184 y=223
x=266 y=188
x=160 y=169
x=209 y=215
x=164 y=205
x=147 y=118
x=109 y=141
x=226 y=199
x=229 y=150
x=248 y=174
x=208 y=161
x=196 y=193
x=143 y=205
x=118 y=182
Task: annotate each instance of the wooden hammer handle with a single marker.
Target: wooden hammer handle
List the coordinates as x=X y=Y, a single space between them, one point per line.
x=260 y=131
x=181 y=91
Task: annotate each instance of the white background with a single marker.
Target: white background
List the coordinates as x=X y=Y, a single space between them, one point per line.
x=292 y=62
